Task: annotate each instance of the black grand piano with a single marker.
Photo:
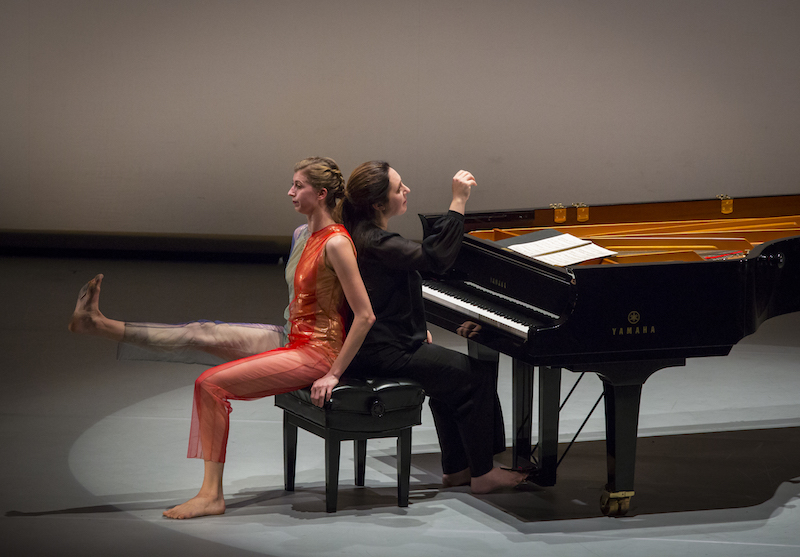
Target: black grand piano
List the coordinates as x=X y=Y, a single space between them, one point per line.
x=687 y=279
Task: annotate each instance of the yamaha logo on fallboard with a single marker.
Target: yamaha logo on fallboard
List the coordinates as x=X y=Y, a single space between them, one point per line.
x=634 y=327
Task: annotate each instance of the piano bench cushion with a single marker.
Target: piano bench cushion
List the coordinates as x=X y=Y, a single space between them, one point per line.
x=371 y=405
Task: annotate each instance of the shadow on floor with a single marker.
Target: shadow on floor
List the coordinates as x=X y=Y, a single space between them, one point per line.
x=674 y=474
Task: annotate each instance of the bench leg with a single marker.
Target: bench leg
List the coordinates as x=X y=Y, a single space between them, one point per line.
x=403 y=466
x=289 y=452
x=361 y=460
x=332 y=446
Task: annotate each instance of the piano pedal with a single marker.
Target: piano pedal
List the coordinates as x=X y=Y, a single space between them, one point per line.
x=533 y=475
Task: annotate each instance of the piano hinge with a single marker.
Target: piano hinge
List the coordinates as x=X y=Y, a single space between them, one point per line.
x=559 y=212
x=727 y=204
x=583 y=211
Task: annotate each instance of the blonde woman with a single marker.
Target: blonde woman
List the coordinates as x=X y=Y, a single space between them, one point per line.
x=317 y=353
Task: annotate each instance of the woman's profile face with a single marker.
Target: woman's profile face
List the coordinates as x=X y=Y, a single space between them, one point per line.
x=396 y=200
x=304 y=197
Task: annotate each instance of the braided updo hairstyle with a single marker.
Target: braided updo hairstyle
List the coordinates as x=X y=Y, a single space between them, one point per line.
x=367 y=186
x=323 y=172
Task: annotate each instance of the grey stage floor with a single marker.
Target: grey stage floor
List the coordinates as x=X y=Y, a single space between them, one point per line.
x=94 y=448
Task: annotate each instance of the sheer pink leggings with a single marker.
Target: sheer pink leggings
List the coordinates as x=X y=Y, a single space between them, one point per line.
x=198 y=342
x=274 y=372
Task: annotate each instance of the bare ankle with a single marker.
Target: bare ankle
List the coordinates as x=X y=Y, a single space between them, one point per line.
x=456 y=479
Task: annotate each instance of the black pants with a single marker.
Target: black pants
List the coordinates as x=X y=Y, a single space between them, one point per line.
x=463 y=400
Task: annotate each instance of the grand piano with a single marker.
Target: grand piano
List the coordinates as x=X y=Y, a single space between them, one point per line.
x=687 y=279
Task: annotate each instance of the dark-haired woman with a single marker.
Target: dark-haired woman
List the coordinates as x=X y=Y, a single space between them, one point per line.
x=317 y=353
x=462 y=390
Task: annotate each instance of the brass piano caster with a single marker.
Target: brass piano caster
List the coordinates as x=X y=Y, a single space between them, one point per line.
x=615 y=503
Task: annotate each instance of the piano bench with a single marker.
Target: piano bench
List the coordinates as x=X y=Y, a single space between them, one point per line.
x=358 y=410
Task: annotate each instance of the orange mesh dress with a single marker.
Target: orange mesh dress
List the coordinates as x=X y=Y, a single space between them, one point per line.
x=317 y=333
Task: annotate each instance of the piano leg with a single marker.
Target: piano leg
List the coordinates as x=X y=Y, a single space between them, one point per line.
x=522 y=420
x=522 y=412
x=622 y=390
x=622 y=422
x=549 y=406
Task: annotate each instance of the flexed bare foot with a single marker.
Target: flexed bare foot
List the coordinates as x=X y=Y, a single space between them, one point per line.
x=197 y=506
x=87 y=319
x=87 y=308
x=86 y=316
x=497 y=478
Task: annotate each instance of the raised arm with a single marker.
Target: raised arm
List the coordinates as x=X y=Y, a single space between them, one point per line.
x=340 y=254
x=463 y=182
x=442 y=241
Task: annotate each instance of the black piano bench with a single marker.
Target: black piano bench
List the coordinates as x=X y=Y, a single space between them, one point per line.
x=358 y=410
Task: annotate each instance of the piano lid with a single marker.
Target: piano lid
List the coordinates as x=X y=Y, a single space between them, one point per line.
x=752 y=207
x=652 y=232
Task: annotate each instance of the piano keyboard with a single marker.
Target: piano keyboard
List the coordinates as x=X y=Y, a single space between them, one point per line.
x=435 y=292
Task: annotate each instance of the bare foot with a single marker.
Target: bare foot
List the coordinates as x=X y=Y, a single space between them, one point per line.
x=197 y=506
x=87 y=309
x=459 y=478
x=497 y=478
x=87 y=319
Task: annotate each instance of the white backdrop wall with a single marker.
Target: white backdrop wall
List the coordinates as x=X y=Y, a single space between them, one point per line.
x=186 y=116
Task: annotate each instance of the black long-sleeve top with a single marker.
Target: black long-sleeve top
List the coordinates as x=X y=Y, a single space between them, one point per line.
x=390 y=266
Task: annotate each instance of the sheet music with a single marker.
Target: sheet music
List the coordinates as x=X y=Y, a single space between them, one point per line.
x=549 y=245
x=576 y=255
x=561 y=250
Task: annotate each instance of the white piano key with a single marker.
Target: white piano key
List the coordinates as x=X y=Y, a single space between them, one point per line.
x=471 y=310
